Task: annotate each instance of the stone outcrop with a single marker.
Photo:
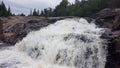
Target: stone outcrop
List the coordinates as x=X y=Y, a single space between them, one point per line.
x=110 y=18
x=14 y=33
x=15 y=28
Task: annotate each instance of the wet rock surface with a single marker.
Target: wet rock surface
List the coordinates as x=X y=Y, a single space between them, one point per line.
x=110 y=18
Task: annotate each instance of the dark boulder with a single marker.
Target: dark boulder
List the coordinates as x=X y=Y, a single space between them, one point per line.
x=89 y=19
x=4 y=46
x=54 y=19
x=33 y=21
x=1 y=41
x=35 y=24
x=107 y=34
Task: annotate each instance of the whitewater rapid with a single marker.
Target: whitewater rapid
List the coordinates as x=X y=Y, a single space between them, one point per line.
x=69 y=43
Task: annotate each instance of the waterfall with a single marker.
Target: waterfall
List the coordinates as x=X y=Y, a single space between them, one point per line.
x=69 y=43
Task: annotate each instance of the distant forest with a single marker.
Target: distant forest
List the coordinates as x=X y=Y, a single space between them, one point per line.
x=65 y=8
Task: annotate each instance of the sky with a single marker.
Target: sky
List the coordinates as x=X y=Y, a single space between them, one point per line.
x=24 y=6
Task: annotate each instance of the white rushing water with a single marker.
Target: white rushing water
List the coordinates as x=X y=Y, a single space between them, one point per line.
x=69 y=43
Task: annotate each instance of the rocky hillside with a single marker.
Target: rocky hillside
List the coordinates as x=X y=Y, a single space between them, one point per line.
x=14 y=28
x=110 y=18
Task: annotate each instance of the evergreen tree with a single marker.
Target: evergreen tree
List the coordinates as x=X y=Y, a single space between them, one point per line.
x=4 y=11
x=22 y=14
x=35 y=13
x=9 y=11
x=45 y=12
x=80 y=8
x=48 y=12
x=77 y=8
x=42 y=13
x=61 y=10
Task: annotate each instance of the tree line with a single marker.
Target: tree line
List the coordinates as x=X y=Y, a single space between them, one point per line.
x=65 y=8
x=4 y=11
x=80 y=8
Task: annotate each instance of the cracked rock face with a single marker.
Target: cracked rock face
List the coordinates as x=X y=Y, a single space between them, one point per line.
x=110 y=18
x=15 y=28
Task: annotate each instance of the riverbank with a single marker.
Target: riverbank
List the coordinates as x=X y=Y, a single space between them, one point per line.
x=110 y=18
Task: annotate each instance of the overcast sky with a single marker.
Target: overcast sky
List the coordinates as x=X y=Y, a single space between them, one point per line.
x=24 y=6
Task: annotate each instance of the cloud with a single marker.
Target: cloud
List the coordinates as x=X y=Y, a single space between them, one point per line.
x=24 y=6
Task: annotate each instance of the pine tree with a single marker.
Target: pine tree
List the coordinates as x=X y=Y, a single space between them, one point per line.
x=22 y=14
x=9 y=11
x=61 y=9
x=4 y=9
x=79 y=8
x=42 y=13
x=35 y=13
x=77 y=12
x=45 y=12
